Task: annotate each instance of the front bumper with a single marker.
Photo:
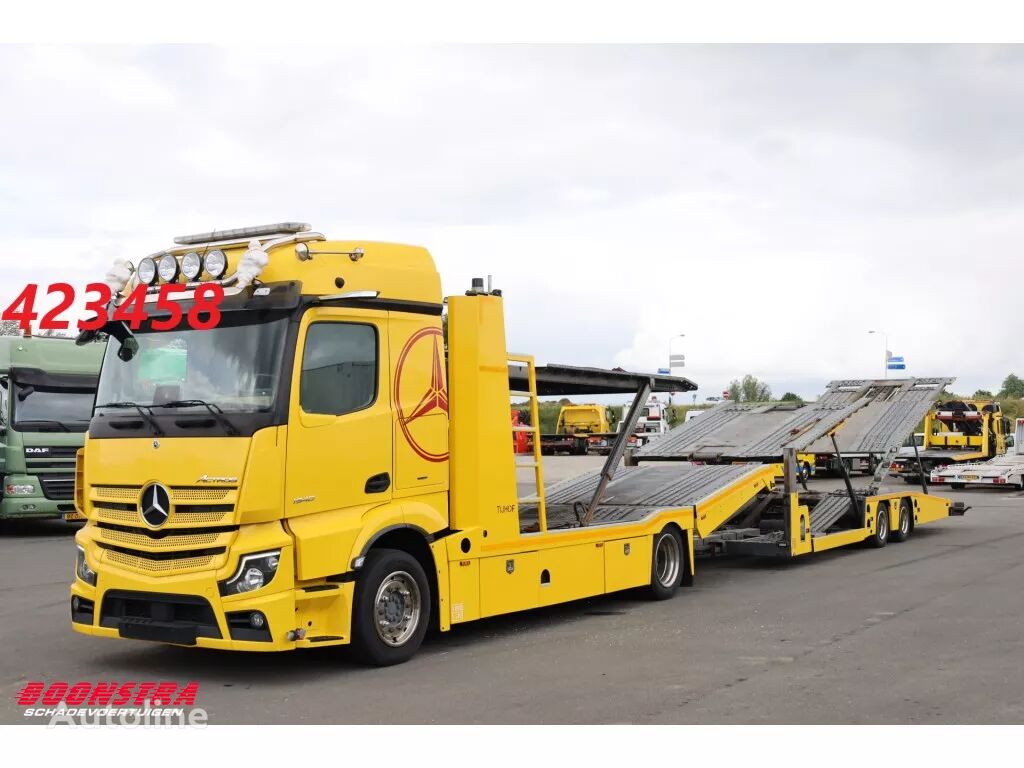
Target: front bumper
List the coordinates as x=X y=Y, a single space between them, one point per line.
x=187 y=609
x=13 y=507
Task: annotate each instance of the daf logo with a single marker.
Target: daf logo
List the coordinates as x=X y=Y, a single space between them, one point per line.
x=37 y=451
x=155 y=505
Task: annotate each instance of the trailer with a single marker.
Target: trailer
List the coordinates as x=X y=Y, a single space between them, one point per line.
x=854 y=424
x=1005 y=470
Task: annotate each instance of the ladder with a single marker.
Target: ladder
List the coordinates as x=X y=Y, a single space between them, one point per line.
x=534 y=430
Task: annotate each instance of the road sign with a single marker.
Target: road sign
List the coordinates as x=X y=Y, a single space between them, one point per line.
x=677 y=361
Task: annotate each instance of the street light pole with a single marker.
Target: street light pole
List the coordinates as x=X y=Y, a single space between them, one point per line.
x=885 y=341
x=670 y=340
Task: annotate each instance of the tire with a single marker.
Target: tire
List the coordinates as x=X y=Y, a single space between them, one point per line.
x=957 y=486
x=880 y=537
x=392 y=585
x=909 y=480
x=668 y=560
x=906 y=525
x=872 y=464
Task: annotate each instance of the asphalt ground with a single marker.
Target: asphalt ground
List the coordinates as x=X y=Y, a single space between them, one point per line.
x=927 y=631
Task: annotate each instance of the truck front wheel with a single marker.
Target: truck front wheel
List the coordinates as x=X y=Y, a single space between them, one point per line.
x=391 y=608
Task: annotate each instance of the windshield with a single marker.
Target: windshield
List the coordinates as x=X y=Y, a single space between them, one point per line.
x=234 y=367
x=45 y=409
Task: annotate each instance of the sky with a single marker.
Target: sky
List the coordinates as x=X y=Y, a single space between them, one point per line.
x=772 y=204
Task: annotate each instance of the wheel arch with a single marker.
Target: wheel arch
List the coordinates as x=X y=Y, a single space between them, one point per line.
x=414 y=541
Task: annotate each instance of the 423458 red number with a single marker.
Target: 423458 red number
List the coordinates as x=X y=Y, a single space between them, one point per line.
x=203 y=315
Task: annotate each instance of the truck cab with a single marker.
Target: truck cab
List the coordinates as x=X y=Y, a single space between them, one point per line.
x=328 y=464
x=47 y=387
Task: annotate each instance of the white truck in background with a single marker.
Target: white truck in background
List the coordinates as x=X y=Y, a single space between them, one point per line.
x=652 y=423
x=1007 y=469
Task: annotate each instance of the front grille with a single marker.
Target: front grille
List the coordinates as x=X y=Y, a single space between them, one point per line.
x=179 y=493
x=117 y=515
x=185 y=610
x=189 y=506
x=199 y=517
x=170 y=541
x=137 y=563
x=58 y=487
x=118 y=492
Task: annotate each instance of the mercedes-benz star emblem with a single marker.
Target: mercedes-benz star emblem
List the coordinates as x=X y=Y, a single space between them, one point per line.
x=155 y=505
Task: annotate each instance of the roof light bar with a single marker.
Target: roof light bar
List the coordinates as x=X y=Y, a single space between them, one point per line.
x=283 y=228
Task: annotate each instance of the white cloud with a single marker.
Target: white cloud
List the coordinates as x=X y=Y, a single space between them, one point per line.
x=771 y=203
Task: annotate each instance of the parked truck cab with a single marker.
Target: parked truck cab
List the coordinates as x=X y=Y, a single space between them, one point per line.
x=47 y=386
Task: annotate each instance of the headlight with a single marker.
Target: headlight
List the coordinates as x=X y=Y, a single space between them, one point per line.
x=167 y=268
x=254 y=571
x=216 y=264
x=191 y=266
x=20 y=490
x=82 y=569
x=146 y=271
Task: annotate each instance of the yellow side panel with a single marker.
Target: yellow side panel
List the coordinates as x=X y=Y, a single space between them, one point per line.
x=627 y=563
x=800 y=542
x=483 y=484
x=571 y=573
x=841 y=539
x=464 y=589
x=509 y=583
x=419 y=394
x=324 y=541
x=261 y=497
x=929 y=508
x=439 y=550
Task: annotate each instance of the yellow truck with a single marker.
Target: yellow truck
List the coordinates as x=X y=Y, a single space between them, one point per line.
x=576 y=423
x=955 y=432
x=315 y=471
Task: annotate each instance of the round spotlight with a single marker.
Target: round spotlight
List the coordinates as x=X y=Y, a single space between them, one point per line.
x=167 y=268
x=191 y=266
x=146 y=271
x=216 y=264
x=256 y=620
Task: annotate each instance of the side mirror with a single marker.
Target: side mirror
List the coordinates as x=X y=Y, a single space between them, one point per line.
x=128 y=349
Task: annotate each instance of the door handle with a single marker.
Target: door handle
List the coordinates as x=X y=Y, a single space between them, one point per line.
x=378 y=483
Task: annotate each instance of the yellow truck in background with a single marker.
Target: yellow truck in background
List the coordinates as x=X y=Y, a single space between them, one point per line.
x=955 y=432
x=316 y=471
x=575 y=425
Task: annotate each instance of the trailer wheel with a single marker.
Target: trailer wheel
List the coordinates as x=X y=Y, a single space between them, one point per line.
x=881 y=535
x=906 y=522
x=667 y=563
x=391 y=608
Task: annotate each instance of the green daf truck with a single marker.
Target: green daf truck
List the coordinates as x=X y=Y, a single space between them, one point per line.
x=47 y=390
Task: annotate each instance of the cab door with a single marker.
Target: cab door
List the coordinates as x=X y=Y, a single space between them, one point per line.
x=339 y=426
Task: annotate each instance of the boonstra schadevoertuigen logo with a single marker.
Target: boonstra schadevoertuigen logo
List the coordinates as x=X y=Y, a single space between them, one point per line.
x=88 y=704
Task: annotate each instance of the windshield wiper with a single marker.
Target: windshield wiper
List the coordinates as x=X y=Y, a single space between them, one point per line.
x=144 y=411
x=215 y=411
x=42 y=422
